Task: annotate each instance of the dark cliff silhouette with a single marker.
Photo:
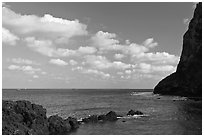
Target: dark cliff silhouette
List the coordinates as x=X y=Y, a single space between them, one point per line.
x=187 y=80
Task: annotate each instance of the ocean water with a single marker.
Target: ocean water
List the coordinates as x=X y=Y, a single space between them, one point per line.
x=166 y=115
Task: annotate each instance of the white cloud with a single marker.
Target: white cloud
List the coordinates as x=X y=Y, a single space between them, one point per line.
x=13 y=67
x=73 y=62
x=87 y=50
x=134 y=49
x=157 y=58
x=128 y=71
x=48 y=25
x=119 y=56
x=150 y=43
x=35 y=76
x=47 y=48
x=105 y=41
x=77 y=68
x=148 y=68
x=44 y=73
x=27 y=69
x=23 y=61
x=120 y=65
x=58 y=62
x=96 y=72
x=101 y=62
x=8 y=37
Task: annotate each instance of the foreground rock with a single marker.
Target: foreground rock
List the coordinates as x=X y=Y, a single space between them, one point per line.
x=132 y=113
x=187 y=80
x=24 y=118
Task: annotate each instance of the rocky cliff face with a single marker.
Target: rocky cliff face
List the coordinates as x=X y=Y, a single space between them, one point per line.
x=24 y=118
x=187 y=80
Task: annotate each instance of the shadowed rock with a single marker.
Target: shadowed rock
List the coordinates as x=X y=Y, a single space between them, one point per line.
x=73 y=122
x=58 y=126
x=187 y=80
x=132 y=112
x=24 y=118
x=110 y=116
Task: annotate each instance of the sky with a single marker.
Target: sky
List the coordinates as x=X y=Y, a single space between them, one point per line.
x=91 y=45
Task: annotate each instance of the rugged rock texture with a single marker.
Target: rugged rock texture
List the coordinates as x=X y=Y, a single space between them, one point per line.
x=110 y=116
x=24 y=118
x=187 y=80
x=132 y=113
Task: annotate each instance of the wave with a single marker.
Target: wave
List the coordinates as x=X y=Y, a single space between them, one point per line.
x=142 y=94
x=132 y=117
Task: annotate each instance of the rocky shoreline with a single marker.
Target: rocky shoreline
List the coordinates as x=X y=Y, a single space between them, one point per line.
x=24 y=118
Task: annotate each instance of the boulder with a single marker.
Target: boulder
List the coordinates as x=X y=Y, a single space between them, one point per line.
x=111 y=116
x=132 y=112
x=90 y=119
x=102 y=117
x=73 y=122
x=58 y=126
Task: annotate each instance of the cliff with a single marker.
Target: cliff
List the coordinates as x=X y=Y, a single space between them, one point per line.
x=187 y=80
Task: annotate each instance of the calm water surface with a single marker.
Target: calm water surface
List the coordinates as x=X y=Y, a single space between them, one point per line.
x=164 y=115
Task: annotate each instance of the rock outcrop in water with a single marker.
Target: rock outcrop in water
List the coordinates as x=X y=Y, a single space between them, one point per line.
x=110 y=116
x=187 y=80
x=25 y=118
x=132 y=113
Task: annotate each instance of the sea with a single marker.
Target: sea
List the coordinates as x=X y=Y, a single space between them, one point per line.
x=163 y=115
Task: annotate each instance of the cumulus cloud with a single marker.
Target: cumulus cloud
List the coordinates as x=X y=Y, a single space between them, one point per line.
x=119 y=56
x=58 y=62
x=86 y=50
x=48 y=25
x=105 y=41
x=96 y=72
x=156 y=58
x=8 y=37
x=101 y=62
x=150 y=43
x=128 y=71
x=77 y=68
x=35 y=76
x=23 y=61
x=27 y=69
x=137 y=52
x=73 y=62
x=148 y=68
x=48 y=48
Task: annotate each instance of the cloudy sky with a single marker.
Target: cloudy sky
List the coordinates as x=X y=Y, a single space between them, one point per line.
x=91 y=45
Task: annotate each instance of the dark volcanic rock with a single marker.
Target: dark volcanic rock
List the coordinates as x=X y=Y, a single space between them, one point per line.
x=132 y=112
x=58 y=126
x=187 y=80
x=111 y=116
x=24 y=118
x=73 y=122
x=102 y=117
x=90 y=119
